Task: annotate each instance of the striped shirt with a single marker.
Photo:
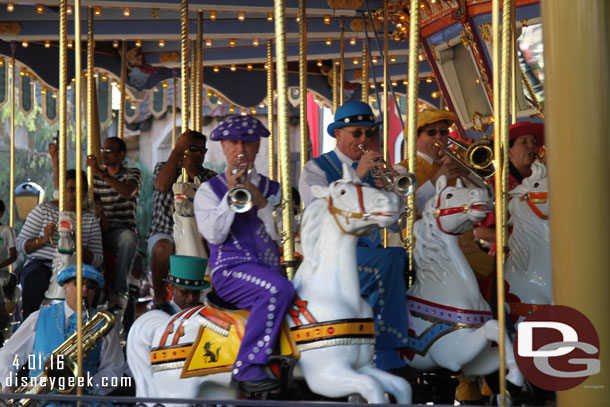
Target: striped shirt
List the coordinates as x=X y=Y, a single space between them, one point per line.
x=48 y=212
x=163 y=202
x=120 y=211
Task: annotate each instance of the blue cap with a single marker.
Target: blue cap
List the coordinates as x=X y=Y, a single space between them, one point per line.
x=88 y=272
x=352 y=114
x=245 y=128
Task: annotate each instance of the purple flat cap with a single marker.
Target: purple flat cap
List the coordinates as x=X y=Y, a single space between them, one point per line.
x=245 y=128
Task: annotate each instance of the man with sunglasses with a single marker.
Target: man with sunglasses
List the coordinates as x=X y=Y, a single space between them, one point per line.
x=116 y=189
x=188 y=153
x=44 y=330
x=380 y=269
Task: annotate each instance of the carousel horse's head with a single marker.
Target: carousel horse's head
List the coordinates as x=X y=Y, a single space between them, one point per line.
x=358 y=208
x=184 y=194
x=532 y=192
x=457 y=207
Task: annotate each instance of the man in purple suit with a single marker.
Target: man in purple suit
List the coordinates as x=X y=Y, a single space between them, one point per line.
x=244 y=255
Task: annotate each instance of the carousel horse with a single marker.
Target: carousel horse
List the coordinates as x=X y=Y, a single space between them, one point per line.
x=451 y=325
x=65 y=255
x=527 y=270
x=330 y=328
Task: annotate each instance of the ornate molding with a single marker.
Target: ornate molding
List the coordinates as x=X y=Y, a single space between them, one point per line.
x=10 y=28
x=169 y=57
x=356 y=25
x=486 y=32
x=481 y=122
x=351 y=4
x=467 y=38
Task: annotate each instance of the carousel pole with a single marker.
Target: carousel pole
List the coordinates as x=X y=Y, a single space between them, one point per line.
x=303 y=81
x=11 y=210
x=284 y=136
x=90 y=105
x=409 y=149
x=184 y=68
x=63 y=100
x=193 y=85
x=174 y=83
x=79 y=186
x=270 y=111
x=386 y=116
x=513 y=64
x=121 y=118
x=501 y=154
x=577 y=102
x=365 y=72
x=335 y=88
x=199 y=75
x=342 y=63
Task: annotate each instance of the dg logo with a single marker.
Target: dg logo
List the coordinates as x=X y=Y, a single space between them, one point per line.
x=557 y=348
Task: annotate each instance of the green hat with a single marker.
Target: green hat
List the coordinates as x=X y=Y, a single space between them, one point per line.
x=188 y=272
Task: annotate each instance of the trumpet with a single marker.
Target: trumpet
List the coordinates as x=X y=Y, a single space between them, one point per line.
x=478 y=158
x=240 y=198
x=402 y=184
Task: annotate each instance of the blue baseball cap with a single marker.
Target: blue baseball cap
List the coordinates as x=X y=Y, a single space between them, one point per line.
x=88 y=272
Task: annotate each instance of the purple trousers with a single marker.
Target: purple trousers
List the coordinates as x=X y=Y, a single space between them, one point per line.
x=267 y=295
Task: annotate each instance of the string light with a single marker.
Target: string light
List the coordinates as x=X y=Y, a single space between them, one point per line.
x=43 y=91
x=209 y=94
x=213 y=15
x=208 y=42
x=420 y=57
x=69 y=9
x=328 y=41
x=253 y=111
x=104 y=77
x=241 y=16
x=138 y=43
x=244 y=113
x=352 y=41
x=394 y=83
x=477 y=81
x=97 y=11
x=231 y=109
x=232 y=43
x=434 y=95
x=115 y=44
x=405 y=82
x=327 y=19
x=270 y=16
x=429 y=80
x=255 y=42
x=261 y=105
x=165 y=85
x=1 y=61
x=393 y=58
x=161 y=43
x=39 y=8
x=355 y=61
x=233 y=68
x=126 y=12
x=372 y=86
x=24 y=43
x=47 y=44
x=319 y=62
x=10 y=7
x=95 y=75
x=69 y=87
x=374 y=60
x=249 y=67
x=216 y=68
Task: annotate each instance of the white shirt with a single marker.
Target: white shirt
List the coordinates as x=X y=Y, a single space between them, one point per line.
x=7 y=242
x=214 y=217
x=21 y=344
x=424 y=192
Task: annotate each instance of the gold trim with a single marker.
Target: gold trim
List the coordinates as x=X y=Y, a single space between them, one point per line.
x=340 y=329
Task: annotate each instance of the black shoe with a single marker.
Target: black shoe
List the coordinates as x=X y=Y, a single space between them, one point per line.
x=164 y=306
x=255 y=386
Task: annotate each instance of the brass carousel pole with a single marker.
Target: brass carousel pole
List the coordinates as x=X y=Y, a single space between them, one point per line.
x=91 y=94
x=409 y=149
x=63 y=100
x=121 y=118
x=184 y=68
x=11 y=210
x=303 y=81
x=270 y=111
x=284 y=136
x=513 y=64
x=335 y=87
x=79 y=187
x=365 y=72
x=199 y=75
x=193 y=85
x=174 y=82
x=342 y=63
x=386 y=116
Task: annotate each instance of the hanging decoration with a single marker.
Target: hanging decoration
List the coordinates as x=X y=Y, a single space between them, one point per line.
x=104 y=102
x=132 y=111
x=157 y=102
x=26 y=95
x=49 y=106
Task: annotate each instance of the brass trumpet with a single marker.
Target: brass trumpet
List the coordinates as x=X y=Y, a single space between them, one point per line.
x=478 y=158
x=240 y=198
x=402 y=184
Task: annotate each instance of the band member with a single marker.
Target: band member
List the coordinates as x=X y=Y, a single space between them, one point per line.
x=8 y=255
x=244 y=256
x=186 y=279
x=43 y=331
x=381 y=270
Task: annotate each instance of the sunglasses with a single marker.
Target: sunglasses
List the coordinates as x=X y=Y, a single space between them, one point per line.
x=197 y=149
x=358 y=133
x=432 y=132
x=90 y=284
x=106 y=150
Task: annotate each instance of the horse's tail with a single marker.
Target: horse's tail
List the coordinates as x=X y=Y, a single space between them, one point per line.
x=139 y=344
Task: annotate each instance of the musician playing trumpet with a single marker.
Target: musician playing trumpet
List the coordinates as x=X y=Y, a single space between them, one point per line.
x=380 y=269
x=45 y=330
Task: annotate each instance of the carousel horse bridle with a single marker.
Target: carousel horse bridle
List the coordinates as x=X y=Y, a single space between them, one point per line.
x=534 y=198
x=346 y=214
x=449 y=211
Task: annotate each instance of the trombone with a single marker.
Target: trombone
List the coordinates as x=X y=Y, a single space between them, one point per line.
x=240 y=198
x=478 y=158
x=402 y=184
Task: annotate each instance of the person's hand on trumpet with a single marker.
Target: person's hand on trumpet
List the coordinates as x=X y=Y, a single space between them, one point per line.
x=370 y=159
x=450 y=168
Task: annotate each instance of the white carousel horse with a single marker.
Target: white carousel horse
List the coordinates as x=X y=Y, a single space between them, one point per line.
x=452 y=323
x=528 y=267
x=328 y=303
x=65 y=255
x=186 y=236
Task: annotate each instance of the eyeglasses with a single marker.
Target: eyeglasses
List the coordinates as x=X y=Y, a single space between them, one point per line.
x=106 y=150
x=197 y=149
x=90 y=284
x=432 y=132
x=358 y=133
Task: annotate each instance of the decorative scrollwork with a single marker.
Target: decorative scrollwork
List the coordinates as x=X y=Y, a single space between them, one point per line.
x=486 y=32
x=480 y=122
x=350 y=4
x=460 y=12
x=356 y=25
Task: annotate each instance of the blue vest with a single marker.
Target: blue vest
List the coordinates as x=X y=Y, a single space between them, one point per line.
x=333 y=168
x=50 y=333
x=248 y=240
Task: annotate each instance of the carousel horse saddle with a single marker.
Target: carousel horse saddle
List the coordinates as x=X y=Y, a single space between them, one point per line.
x=216 y=345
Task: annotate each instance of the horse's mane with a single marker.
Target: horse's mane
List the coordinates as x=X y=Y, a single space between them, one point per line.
x=311 y=226
x=430 y=250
